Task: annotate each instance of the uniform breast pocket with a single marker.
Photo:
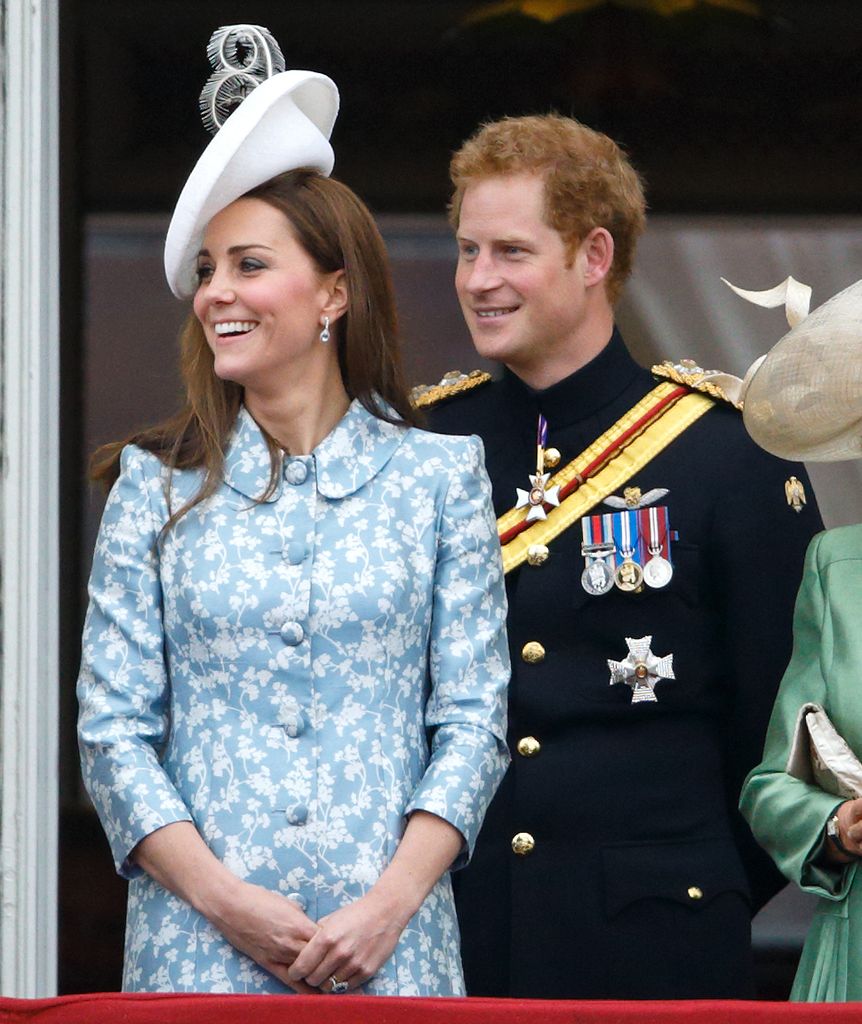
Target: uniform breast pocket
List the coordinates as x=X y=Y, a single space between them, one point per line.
x=687 y=581
x=694 y=876
x=678 y=919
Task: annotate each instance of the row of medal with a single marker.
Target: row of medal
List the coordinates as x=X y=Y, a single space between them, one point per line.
x=626 y=549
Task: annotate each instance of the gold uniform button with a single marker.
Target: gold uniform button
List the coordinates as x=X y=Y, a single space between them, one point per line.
x=537 y=554
x=529 y=746
x=523 y=843
x=552 y=457
x=695 y=892
x=532 y=652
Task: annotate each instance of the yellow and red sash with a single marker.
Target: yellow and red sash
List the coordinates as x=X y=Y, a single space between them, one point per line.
x=611 y=460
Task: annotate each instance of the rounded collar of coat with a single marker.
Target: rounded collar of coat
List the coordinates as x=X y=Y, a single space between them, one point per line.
x=346 y=459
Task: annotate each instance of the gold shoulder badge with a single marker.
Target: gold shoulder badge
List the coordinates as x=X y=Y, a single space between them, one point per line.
x=723 y=386
x=795 y=493
x=425 y=396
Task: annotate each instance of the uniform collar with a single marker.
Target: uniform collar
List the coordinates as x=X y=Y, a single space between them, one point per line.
x=346 y=459
x=583 y=393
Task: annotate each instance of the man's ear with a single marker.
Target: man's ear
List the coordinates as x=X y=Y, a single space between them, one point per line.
x=597 y=249
x=336 y=305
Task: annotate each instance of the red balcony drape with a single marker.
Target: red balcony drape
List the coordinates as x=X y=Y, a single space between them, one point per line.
x=128 y=1008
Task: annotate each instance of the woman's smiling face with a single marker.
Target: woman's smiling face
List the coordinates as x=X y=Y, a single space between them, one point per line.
x=260 y=298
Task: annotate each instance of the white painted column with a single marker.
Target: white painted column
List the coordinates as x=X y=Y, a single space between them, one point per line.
x=29 y=353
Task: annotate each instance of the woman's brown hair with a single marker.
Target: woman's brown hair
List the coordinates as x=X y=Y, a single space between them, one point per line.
x=336 y=230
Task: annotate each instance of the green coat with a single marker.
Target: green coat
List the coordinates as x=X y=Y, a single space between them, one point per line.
x=788 y=816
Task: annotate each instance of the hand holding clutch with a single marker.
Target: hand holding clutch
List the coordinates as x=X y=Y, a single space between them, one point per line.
x=844 y=832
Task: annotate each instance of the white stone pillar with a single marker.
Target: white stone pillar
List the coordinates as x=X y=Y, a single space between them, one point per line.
x=29 y=355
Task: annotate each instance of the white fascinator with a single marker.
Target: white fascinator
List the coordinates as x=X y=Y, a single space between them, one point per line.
x=803 y=399
x=266 y=121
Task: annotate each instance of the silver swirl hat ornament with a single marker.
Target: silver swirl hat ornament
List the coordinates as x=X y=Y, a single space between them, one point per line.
x=266 y=121
x=242 y=56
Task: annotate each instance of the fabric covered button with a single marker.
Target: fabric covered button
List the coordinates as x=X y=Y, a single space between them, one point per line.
x=297 y=815
x=298 y=899
x=293 y=723
x=296 y=472
x=294 y=553
x=290 y=716
x=292 y=633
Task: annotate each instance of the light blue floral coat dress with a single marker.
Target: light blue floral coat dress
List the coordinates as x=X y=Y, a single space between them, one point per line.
x=295 y=677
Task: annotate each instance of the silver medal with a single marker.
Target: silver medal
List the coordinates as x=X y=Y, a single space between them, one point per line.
x=597 y=578
x=658 y=570
x=598 y=575
x=641 y=670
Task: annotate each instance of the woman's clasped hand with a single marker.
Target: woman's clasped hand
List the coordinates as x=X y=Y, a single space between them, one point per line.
x=348 y=945
x=268 y=927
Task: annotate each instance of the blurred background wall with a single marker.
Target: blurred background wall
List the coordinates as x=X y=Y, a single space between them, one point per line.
x=742 y=116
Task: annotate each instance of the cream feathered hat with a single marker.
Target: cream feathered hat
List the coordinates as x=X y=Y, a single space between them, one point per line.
x=266 y=121
x=803 y=399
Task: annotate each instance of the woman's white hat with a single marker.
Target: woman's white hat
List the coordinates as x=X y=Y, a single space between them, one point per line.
x=283 y=123
x=803 y=400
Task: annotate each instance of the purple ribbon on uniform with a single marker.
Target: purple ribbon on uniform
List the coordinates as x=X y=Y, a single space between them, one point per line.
x=542 y=432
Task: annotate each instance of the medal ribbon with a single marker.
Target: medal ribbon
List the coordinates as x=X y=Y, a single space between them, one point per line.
x=659 y=543
x=607 y=521
x=599 y=530
x=542 y=432
x=623 y=523
x=541 y=442
x=653 y=524
x=635 y=439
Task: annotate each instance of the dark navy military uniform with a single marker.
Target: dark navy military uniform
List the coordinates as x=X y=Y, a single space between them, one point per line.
x=637 y=877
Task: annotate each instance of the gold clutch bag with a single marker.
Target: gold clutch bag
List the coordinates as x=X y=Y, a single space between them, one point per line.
x=819 y=755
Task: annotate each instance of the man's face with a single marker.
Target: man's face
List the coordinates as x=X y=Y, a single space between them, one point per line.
x=521 y=294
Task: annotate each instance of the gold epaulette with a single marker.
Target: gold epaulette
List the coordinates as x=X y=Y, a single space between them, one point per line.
x=425 y=396
x=723 y=386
